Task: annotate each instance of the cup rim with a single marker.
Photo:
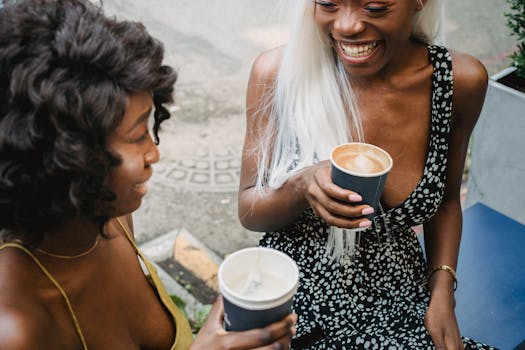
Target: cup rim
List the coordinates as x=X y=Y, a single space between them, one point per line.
x=251 y=303
x=354 y=173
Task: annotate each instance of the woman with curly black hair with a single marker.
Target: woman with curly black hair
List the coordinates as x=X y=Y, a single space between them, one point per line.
x=76 y=92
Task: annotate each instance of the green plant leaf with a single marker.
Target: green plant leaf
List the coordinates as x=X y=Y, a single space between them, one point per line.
x=516 y=22
x=179 y=302
x=197 y=322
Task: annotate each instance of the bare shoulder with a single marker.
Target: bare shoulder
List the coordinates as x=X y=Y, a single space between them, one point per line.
x=23 y=316
x=469 y=72
x=470 y=86
x=262 y=78
x=266 y=65
x=24 y=327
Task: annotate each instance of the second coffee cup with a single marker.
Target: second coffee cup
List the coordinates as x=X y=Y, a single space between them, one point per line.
x=362 y=168
x=258 y=285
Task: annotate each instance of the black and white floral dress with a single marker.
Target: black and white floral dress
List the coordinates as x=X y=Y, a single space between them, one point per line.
x=374 y=300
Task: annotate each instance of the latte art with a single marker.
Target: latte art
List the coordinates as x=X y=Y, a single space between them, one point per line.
x=361 y=163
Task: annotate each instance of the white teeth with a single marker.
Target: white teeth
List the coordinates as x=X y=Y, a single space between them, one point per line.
x=359 y=50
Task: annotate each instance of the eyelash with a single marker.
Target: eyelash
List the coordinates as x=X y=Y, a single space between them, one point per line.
x=326 y=4
x=331 y=6
x=376 y=9
x=143 y=137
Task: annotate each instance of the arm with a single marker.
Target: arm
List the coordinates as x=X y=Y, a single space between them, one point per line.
x=275 y=208
x=443 y=232
x=311 y=187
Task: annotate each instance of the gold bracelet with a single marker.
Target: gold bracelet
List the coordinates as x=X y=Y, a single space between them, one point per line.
x=444 y=268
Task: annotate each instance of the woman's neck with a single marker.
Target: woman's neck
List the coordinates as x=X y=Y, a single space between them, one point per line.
x=76 y=236
x=411 y=57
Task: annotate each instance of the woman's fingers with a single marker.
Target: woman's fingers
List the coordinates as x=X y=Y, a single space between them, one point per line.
x=339 y=221
x=337 y=201
x=277 y=332
x=335 y=205
x=334 y=213
x=336 y=194
x=323 y=179
x=215 y=317
x=213 y=336
x=283 y=343
x=336 y=208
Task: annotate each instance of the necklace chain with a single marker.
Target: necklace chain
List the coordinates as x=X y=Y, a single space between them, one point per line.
x=71 y=256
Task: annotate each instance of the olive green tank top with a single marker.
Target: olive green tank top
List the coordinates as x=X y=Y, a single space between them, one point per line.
x=183 y=335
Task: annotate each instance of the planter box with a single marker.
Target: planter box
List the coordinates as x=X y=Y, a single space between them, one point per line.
x=497 y=171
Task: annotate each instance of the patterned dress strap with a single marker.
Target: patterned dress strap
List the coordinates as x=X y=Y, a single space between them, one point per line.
x=442 y=88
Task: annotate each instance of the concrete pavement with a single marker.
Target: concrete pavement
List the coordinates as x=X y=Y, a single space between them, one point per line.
x=212 y=45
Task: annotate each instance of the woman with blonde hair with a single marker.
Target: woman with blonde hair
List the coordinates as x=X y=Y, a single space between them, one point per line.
x=369 y=71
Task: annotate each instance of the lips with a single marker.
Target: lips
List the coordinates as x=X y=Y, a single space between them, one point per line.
x=357 y=52
x=141 y=188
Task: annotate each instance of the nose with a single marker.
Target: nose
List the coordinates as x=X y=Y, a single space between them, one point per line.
x=349 y=22
x=152 y=155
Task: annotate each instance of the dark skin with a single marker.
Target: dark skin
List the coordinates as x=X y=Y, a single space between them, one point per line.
x=97 y=295
x=115 y=305
x=393 y=88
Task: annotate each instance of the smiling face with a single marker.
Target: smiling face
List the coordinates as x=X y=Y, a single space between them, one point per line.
x=367 y=35
x=132 y=142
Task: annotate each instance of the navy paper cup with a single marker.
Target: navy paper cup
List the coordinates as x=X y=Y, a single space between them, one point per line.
x=369 y=185
x=243 y=312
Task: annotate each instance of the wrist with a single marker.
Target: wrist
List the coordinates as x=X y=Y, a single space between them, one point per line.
x=299 y=185
x=443 y=295
x=441 y=283
x=441 y=278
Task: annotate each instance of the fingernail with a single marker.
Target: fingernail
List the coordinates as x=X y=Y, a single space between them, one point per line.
x=368 y=210
x=365 y=223
x=355 y=198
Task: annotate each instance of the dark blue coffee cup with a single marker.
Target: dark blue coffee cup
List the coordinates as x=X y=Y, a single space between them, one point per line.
x=247 y=308
x=362 y=168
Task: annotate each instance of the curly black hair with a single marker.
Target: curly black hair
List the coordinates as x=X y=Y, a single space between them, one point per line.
x=66 y=74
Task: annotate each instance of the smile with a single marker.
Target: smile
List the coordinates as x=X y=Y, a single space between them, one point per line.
x=141 y=188
x=353 y=50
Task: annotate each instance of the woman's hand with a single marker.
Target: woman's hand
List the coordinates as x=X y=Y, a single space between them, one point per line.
x=441 y=323
x=212 y=335
x=335 y=205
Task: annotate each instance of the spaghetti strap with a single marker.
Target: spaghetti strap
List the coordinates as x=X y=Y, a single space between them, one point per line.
x=55 y=283
x=128 y=235
x=183 y=333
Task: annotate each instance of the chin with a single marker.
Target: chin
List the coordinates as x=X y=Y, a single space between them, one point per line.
x=128 y=208
x=360 y=72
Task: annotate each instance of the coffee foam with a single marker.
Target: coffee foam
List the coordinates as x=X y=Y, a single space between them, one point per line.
x=259 y=284
x=361 y=158
x=239 y=269
x=361 y=163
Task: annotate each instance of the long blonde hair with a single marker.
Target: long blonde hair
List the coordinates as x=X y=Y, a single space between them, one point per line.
x=312 y=107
